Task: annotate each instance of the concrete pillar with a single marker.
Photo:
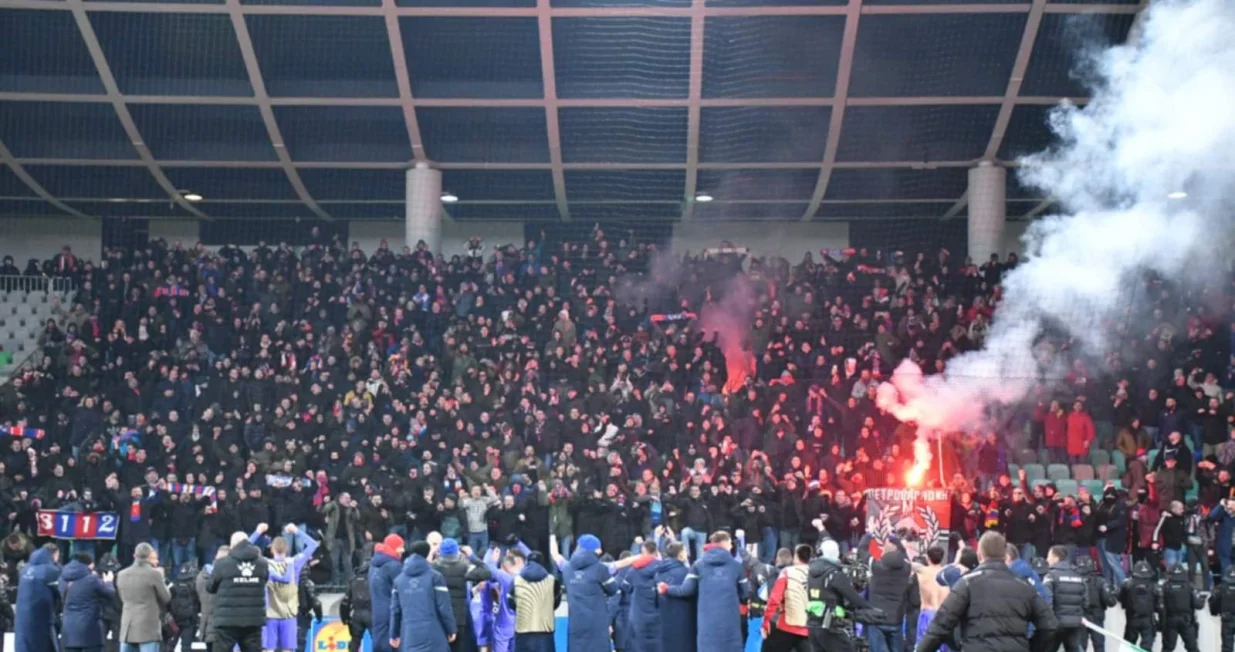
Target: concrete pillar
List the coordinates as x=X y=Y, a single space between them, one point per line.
x=423 y=207
x=987 y=211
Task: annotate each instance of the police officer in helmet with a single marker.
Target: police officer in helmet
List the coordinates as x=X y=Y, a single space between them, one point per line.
x=1139 y=597
x=1178 y=607
x=1101 y=596
x=830 y=594
x=1222 y=605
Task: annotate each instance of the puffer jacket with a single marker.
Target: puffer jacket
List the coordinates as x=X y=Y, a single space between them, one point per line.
x=458 y=571
x=588 y=586
x=239 y=586
x=84 y=596
x=1069 y=595
x=720 y=582
x=383 y=571
x=420 y=613
x=996 y=609
x=888 y=581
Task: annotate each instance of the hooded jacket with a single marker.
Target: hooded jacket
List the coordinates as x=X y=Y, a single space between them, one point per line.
x=383 y=571
x=84 y=595
x=36 y=599
x=1021 y=568
x=239 y=586
x=720 y=582
x=677 y=614
x=588 y=586
x=421 y=617
x=644 y=615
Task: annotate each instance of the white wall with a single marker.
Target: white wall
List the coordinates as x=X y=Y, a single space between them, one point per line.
x=43 y=238
x=186 y=232
x=790 y=241
x=369 y=234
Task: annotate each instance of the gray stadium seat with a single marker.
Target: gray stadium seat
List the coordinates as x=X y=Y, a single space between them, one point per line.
x=1035 y=472
x=1058 y=472
x=1066 y=487
x=1098 y=457
x=1082 y=472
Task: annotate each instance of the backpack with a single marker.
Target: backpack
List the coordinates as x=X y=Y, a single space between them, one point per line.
x=360 y=598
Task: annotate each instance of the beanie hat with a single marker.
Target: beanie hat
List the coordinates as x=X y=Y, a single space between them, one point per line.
x=392 y=543
x=420 y=548
x=449 y=547
x=589 y=543
x=829 y=550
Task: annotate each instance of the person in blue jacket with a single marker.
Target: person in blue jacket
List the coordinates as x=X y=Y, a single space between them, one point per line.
x=588 y=587
x=84 y=596
x=34 y=627
x=384 y=568
x=619 y=607
x=720 y=582
x=677 y=614
x=1022 y=569
x=420 y=607
x=644 y=620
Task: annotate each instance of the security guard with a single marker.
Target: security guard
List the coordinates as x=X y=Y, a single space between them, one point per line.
x=1069 y=598
x=1222 y=605
x=1178 y=607
x=830 y=595
x=1139 y=597
x=1102 y=596
x=993 y=607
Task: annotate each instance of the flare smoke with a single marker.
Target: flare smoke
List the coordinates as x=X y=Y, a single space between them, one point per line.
x=1159 y=124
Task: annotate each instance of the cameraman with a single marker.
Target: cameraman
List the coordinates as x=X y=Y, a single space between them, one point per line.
x=889 y=583
x=828 y=588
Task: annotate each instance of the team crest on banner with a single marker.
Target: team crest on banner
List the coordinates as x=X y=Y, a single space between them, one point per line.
x=920 y=517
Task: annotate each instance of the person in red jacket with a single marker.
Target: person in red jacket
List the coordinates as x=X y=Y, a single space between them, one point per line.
x=784 y=619
x=1080 y=433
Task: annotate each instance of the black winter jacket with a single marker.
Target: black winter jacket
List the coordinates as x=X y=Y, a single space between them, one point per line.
x=888 y=583
x=458 y=570
x=239 y=584
x=1069 y=595
x=994 y=609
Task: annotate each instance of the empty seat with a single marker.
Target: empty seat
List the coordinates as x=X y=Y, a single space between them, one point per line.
x=1044 y=457
x=1107 y=472
x=1098 y=457
x=1082 y=472
x=1066 y=487
x=1058 y=472
x=1013 y=469
x=1026 y=456
x=1095 y=487
x=1035 y=472
x=1117 y=458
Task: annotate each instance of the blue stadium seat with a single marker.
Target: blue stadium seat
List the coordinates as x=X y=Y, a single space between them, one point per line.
x=1095 y=488
x=1117 y=458
x=1012 y=470
x=1066 y=487
x=1058 y=472
x=1035 y=472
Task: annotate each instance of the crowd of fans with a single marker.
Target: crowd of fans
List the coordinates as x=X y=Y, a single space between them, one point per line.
x=536 y=392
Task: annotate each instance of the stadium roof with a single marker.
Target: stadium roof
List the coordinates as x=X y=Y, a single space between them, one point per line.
x=534 y=109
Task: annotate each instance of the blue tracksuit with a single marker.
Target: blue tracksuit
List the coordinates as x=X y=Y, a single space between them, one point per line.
x=644 y=622
x=720 y=582
x=588 y=586
x=420 y=612
x=677 y=614
x=382 y=573
x=36 y=600
x=619 y=613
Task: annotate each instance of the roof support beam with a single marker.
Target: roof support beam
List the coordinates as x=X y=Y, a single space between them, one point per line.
x=78 y=7
x=849 y=43
x=694 y=108
x=1032 y=23
x=6 y=157
x=616 y=102
x=404 y=79
x=575 y=12
x=548 y=70
x=245 y=41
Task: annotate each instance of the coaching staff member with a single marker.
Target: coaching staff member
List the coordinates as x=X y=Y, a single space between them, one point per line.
x=992 y=608
x=239 y=585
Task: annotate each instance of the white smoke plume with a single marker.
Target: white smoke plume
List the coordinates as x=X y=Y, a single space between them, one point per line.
x=1160 y=123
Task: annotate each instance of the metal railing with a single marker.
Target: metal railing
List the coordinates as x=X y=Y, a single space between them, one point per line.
x=45 y=284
